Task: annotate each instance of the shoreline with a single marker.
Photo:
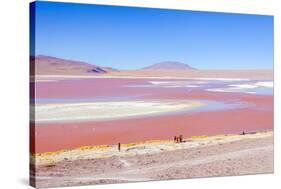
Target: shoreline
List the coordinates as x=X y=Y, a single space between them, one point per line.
x=220 y=155
x=139 y=148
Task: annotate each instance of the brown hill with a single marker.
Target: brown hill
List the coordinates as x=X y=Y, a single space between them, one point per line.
x=48 y=65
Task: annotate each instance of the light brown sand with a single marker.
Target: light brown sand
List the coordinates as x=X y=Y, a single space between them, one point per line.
x=69 y=73
x=250 y=74
x=217 y=157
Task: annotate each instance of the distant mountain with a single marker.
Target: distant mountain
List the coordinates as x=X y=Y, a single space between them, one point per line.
x=48 y=65
x=169 y=65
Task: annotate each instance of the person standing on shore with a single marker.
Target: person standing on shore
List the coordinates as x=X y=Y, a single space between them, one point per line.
x=181 y=137
x=119 y=146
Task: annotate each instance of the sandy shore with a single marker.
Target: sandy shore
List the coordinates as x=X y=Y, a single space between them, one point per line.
x=203 y=156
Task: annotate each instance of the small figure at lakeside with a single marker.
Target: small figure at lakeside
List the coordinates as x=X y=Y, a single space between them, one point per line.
x=180 y=138
x=119 y=146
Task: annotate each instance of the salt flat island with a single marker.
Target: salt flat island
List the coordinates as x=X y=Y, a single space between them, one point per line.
x=109 y=110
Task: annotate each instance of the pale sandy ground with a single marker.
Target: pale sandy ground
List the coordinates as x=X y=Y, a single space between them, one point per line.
x=250 y=74
x=222 y=155
x=152 y=74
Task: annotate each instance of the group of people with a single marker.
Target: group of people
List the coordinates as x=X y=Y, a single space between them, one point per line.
x=178 y=139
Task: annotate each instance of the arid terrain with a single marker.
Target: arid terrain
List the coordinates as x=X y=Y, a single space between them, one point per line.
x=195 y=157
x=47 y=66
x=83 y=112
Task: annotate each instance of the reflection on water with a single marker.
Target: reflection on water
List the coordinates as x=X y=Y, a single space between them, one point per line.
x=259 y=91
x=210 y=105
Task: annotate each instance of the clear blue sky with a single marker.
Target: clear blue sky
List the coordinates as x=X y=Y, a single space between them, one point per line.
x=130 y=37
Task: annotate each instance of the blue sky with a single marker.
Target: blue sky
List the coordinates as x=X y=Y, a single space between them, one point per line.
x=132 y=38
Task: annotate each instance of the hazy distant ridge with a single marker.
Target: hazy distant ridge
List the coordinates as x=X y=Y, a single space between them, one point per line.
x=169 y=65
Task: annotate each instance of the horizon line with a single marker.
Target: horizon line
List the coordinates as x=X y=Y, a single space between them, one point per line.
x=142 y=68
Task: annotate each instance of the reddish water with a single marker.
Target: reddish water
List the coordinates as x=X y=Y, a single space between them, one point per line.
x=57 y=136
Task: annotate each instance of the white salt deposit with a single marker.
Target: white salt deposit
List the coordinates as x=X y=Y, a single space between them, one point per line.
x=108 y=110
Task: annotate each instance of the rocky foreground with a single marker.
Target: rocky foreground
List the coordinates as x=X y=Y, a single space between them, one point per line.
x=222 y=155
